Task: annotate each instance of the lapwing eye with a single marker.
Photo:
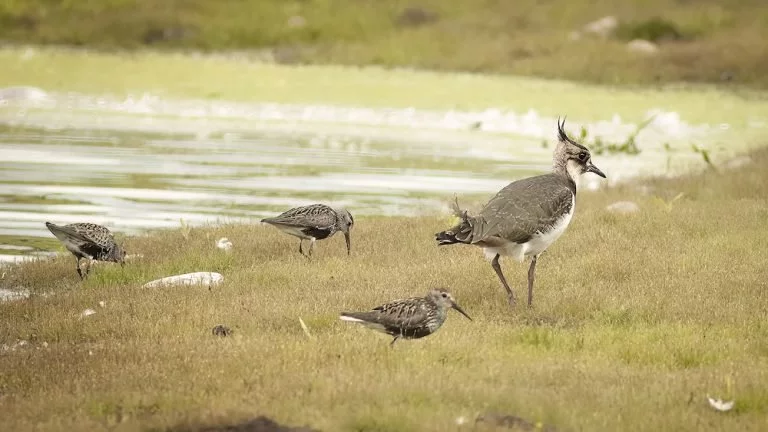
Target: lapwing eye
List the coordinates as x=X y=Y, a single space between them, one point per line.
x=583 y=156
x=445 y=295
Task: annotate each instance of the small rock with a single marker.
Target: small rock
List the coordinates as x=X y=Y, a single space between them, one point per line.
x=623 y=207
x=28 y=54
x=224 y=244
x=188 y=279
x=415 y=16
x=603 y=27
x=45 y=344
x=87 y=312
x=102 y=304
x=22 y=343
x=8 y=295
x=642 y=46
x=297 y=21
x=720 y=404
x=221 y=330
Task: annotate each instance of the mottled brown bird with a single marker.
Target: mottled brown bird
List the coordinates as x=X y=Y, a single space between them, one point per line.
x=314 y=222
x=410 y=318
x=89 y=241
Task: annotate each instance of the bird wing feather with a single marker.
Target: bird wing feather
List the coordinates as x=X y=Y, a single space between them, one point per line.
x=317 y=216
x=520 y=209
x=68 y=234
x=399 y=316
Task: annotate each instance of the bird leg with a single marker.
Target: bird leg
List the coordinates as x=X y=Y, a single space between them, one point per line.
x=301 y=243
x=79 y=271
x=88 y=267
x=497 y=268
x=394 y=340
x=531 y=277
x=311 y=245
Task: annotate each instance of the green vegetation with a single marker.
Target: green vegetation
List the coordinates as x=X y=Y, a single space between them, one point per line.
x=637 y=318
x=235 y=80
x=701 y=41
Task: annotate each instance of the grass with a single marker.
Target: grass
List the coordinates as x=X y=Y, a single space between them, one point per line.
x=237 y=80
x=705 y=41
x=636 y=319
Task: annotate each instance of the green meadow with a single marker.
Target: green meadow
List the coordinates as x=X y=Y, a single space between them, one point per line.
x=636 y=319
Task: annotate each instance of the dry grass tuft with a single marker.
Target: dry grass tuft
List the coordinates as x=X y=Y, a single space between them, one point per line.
x=636 y=319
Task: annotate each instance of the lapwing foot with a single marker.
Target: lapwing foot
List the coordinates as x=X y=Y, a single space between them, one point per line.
x=512 y=301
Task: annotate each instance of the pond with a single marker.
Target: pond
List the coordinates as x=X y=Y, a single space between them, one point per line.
x=143 y=162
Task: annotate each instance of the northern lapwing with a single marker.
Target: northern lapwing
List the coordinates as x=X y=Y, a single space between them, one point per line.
x=528 y=215
x=88 y=241
x=314 y=222
x=410 y=318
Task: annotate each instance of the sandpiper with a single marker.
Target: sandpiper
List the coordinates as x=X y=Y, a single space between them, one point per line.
x=314 y=222
x=410 y=318
x=524 y=218
x=89 y=241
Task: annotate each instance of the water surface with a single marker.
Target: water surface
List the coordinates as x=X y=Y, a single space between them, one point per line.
x=145 y=163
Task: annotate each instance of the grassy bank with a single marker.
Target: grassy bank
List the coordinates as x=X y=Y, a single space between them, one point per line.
x=711 y=41
x=232 y=79
x=637 y=318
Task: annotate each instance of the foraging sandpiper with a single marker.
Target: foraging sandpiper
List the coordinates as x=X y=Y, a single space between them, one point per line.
x=524 y=218
x=89 y=241
x=314 y=222
x=410 y=318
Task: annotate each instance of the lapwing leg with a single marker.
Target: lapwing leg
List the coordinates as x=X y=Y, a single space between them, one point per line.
x=531 y=277
x=311 y=245
x=79 y=271
x=301 y=243
x=88 y=266
x=497 y=268
x=394 y=340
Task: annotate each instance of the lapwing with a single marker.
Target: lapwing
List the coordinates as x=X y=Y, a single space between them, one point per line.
x=314 y=222
x=88 y=241
x=410 y=318
x=524 y=218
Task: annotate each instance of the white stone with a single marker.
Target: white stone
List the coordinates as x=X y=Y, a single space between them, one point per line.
x=102 y=304
x=197 y=278
x=224 y=244
x=642 y=46
x=604 y=27
x=720 y=404
x=297 y=21
x=87 y=312
x=8 y=295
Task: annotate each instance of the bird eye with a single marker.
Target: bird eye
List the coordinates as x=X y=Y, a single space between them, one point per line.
x=445 y=295
x=583 y=156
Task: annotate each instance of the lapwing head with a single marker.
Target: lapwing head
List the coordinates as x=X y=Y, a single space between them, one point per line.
x=344 y=222
x=444 y=299
x=574 y=156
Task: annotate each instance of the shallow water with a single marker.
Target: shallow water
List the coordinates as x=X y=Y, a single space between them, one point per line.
x=143 y=163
